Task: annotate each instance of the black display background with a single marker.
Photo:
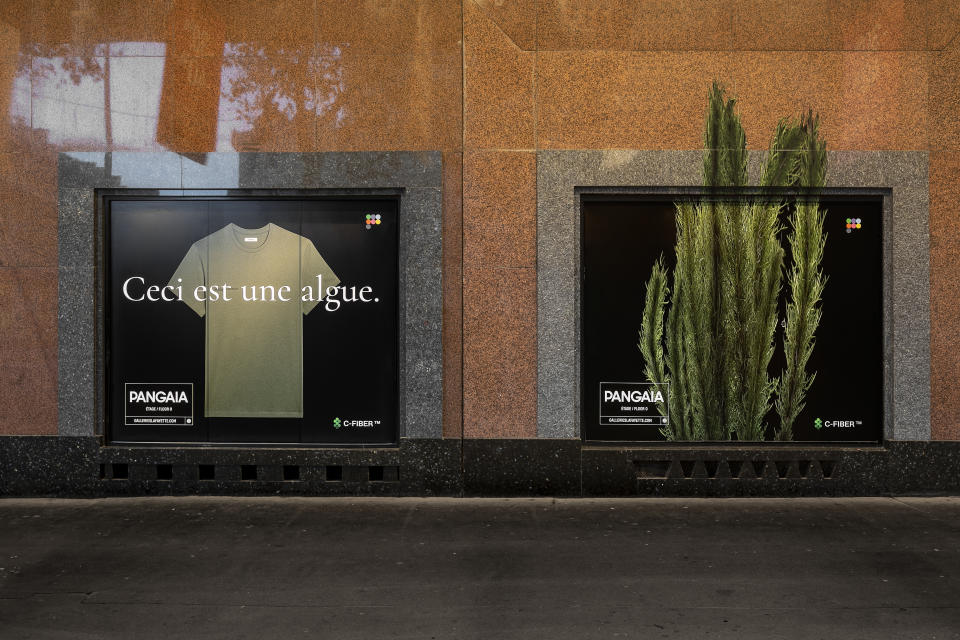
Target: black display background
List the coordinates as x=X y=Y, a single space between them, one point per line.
x=622 y=238
x=351 y=354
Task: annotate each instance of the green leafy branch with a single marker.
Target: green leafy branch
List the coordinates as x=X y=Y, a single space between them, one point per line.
x=712 y=336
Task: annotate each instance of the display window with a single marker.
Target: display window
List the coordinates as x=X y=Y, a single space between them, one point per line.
x=252 y=320
x=734 y=318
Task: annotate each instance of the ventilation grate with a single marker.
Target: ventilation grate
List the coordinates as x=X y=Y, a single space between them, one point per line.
x=829 y=467
x=783 y=468
x=687 y=467
x=334 y=473
x=712 y=469
x=377 y=473
x=652 y=468
x=164 y=472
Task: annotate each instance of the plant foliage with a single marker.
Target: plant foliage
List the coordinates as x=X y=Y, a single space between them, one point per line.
x=708 y=329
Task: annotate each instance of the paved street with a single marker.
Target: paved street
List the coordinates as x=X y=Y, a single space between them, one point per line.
x=480 y=568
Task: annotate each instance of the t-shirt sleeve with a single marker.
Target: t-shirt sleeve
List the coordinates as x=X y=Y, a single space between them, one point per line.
x=189 y=276
x=312 y=265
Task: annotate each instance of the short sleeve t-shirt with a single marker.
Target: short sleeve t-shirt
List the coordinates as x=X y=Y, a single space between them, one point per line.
x=254 y=333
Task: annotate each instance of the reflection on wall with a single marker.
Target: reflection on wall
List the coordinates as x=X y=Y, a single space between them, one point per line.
x=255 y=101
x=70 y=93
x=276 y=95
x=193 y=93
x=95 y=75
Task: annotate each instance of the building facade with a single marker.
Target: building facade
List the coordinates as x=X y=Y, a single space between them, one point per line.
x=494 y=136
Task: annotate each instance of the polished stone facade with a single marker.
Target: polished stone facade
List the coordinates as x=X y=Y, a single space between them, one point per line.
x=466 y=105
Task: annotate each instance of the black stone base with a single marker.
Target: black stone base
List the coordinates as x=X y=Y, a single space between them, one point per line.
x=80 y=467
x=736 y=471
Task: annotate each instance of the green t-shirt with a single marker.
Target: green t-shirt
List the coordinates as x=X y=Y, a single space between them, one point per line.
x=254 y=340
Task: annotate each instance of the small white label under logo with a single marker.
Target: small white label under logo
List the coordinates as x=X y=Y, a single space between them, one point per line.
x=250 y=239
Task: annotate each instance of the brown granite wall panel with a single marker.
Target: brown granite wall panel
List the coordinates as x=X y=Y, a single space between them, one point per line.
x=499 y=223
x=28 y=342
x=945 y=98
x=16 y=13
x=28 y=246
x=868 y=100
x=290 y=25
x=624 y=25
x=644 y=101
x=15 y=90
x=28 y=209
x=452 y=331
x=780 y=25
x=829 y=25
x=9 y=70
x=499 y=226
x=85 y=26
x=500 y=353
x=944 y=231
x=942 y=22
x=28 y=228
x=498 y=96
x=391 y=78
x=517 y=19
x=944 y=295
x=500 y=209
x=390 y=27
x=287 y=25
x=404 y=101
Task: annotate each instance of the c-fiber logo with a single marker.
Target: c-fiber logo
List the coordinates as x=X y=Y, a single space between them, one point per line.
x=357 y=424
x=836 y=424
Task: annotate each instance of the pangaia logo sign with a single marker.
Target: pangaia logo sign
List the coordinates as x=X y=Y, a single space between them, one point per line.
x=159 y=397
x=632 y=396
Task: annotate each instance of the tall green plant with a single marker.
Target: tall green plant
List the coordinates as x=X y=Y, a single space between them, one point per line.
x=806 y=279
x=714 y=338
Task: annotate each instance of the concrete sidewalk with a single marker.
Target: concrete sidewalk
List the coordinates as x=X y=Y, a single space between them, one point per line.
x=480 y=568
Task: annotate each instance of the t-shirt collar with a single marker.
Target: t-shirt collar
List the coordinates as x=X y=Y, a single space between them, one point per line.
x=237 y=233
